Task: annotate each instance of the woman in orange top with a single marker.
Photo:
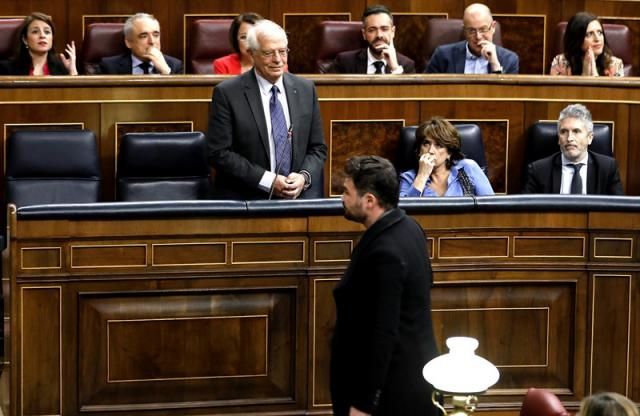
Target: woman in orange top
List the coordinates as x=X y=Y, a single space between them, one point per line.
x=240 y=61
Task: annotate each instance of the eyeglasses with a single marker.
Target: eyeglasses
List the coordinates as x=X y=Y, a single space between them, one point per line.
x=473 y=31
x=271 y=54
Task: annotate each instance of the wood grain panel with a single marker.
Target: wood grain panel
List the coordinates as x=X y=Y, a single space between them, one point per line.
x=473 y=247
x=336 y=250
x=545 y=247
x=41 y=352
x=323 y=321
x=158 y=350
x=41 y=258
x=382 y=139
x=610 y=332
x=537 y=316
x=302 y=31
x=178 y=254
x=525 y=35
x=613 y=248
x=410 y=35
x=109 y=256
x=266 y=252
x=241 y=340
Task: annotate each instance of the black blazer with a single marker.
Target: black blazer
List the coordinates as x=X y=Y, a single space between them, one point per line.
x=238 y=140
x=544 y=176
x=355 y=62
x=12 y=67
x=383 y=335
x=450 y=59
x=121 y=64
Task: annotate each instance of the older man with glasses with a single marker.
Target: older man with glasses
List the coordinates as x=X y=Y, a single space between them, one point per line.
x=265 y=134
x=477 y=54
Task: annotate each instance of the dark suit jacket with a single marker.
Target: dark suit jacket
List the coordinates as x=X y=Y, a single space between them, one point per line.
x=238 y=140
x=450 y=59
x=544 y=176
x=355 y=62
x=383 y=335
x=121 y=64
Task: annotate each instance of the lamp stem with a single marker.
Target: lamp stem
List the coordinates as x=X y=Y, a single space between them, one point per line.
x=436 y=402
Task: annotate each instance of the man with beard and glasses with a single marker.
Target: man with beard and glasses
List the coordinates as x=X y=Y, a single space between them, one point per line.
x=383 y=335
x=380 y=56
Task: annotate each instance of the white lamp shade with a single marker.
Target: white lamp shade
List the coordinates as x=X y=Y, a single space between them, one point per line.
x=461 y=371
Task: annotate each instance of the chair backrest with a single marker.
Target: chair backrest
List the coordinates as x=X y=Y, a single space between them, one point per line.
x=540 y=402
x=444 y=31
x=101 y=40
x=618 y=39
x=543 y=140
x=52 y=167
x=209 y=39
x=162 y=166
x=9 y=32
x=471 y=145
x=335 y=37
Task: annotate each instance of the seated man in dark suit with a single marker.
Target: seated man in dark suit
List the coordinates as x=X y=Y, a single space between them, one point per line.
x=380 y=57
x=574 y=170
x=477 y=54
x=142 y=37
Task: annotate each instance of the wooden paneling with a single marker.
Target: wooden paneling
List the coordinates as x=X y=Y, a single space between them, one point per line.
x=241 y=349
x=253 y=336
x=611 y=315
x=41 y=355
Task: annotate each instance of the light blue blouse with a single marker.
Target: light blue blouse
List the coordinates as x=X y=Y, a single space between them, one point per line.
x=479 y=181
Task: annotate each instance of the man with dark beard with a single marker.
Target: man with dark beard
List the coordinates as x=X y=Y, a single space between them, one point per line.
x=380 y=56
x=383 y=335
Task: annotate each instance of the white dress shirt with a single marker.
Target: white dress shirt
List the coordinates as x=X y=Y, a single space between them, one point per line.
x=568 y=171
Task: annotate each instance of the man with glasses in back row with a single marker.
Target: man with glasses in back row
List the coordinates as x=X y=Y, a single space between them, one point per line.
x=265 y=134
x=477 y=54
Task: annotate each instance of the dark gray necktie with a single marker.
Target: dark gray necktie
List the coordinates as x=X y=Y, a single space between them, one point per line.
x=145 y=67
x=576 y=182
x=379 y=65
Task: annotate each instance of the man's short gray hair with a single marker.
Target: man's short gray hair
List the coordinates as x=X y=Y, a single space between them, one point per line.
x=264 y=28
x=128 y=25
x=579 y=112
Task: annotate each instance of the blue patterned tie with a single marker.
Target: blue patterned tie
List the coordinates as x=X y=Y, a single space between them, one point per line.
x=280 y=134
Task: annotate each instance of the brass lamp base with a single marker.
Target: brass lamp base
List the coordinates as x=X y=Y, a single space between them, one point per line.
x=462 y=405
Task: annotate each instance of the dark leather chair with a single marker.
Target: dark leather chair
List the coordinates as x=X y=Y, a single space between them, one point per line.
x=471 y=145
x=443 y=31
x=335 y=37
x=9 y=33
x=618 y=38
x=209 y=40
x=540 y=402
x=52 y=167
x=162 y=166
x=543 y=140
x=101 y=40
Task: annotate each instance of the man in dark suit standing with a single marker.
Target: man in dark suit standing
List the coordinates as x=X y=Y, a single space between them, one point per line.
x=142 y=37
x=383 y=335
x=574 y=169
x=265 y=134
x=477 y=54
x=380 y=57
